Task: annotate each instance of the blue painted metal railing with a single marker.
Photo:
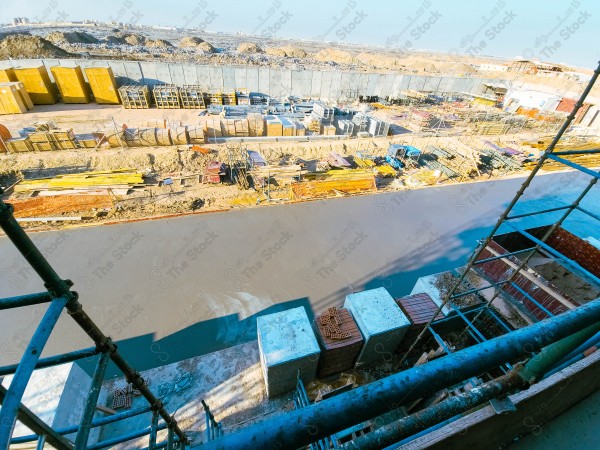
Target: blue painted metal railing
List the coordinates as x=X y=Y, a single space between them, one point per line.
x=60 y=297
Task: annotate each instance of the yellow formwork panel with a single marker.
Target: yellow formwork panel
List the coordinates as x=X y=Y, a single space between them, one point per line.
x=37 y=84
x=103 y=84
x=10 y=100
x=7 y=74
x=71 y=84
x=24 y=95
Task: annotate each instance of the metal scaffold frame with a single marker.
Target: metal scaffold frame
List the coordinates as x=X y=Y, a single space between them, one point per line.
x=506 y=219
x=59 y=296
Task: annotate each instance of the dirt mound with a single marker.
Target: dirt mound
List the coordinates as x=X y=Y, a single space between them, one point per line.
x=275 y=51
x=287 y=52
x=116 y=40
x=378 y=61
x=73 y=37
x=27 y=46
x=135 y=39
x=158 y=43
x=205 y=47
x=190 y=41
x=249 y=47
x=294 y=52
x=335 y=55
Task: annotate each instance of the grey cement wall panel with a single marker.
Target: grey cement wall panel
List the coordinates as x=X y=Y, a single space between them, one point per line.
x=216 y=77
x=177 y=74
x=252 y=79
x=190 y=76
x=336 y=85
x=363 y=82
x=306 y=83
x=286 y=81
x=264 y=76
x=379 y=85
x=446 y=84
x=388 y=85
x=297 y=83
x=396 y=88
x=417 y=82
x=431 y=84
x=163 y=74
x=458 y=85
x=317 y=78
x=120 y=73
x=372 y=83
x=345 y=84
x=203 y=75
x=133 y=71
x=326 y=85
x=241 y=78
x=228 y=78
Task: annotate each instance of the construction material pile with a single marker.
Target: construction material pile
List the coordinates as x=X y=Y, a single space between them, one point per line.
x=120 y=180
x=589 y=159
x=59 y=204
x=335 y=182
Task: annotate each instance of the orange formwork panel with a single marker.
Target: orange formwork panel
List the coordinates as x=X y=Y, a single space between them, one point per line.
x=103 y=84
x=71 y=84
x=37 y=84
x=7 y=74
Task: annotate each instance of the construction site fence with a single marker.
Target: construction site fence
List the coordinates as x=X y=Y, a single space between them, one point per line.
x=275 y=82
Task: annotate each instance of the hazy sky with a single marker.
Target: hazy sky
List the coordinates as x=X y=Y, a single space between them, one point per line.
x=553 y=30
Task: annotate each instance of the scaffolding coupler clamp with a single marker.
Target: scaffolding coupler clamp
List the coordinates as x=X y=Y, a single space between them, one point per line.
x=62 y=287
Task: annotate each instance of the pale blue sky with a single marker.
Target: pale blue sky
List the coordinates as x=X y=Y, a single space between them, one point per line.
x=553 y=30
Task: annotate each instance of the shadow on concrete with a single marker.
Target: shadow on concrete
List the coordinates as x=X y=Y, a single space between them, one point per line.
x=144 y=352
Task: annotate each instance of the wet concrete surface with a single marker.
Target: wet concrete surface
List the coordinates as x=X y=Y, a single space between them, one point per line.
x=172 y=289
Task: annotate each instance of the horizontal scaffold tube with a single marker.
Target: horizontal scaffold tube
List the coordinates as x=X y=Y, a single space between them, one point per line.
x=304 y=426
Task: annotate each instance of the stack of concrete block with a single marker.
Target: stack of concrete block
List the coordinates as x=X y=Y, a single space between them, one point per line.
x=381 y=322
x=286 y=344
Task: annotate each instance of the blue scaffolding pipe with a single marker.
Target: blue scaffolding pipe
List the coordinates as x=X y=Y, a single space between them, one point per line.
x=498 y=319
x=531 y=299
x=502 y=219
x=96 y=423
x=34 y=423
x=494 y=258
x=543 y=211
x=91 y=402
x=25 y=300
x=54 y=360
x=153 y=431
x=555 y=253
x=589 y=213
x=440 y=341
x=14 y=394
x=579 y=167
x=577 y=152
x=124 y=438
x=469 y=324
x=302 y=427
x=472 y=291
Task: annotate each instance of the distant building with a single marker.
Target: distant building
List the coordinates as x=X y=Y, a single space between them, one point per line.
x=535 y=67
x=492 y=67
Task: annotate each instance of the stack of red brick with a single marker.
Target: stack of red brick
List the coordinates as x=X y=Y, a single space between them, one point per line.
x=420 y=309
x=340 y=341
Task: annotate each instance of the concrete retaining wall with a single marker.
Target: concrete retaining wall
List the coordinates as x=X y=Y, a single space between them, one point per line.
x=271 y=81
